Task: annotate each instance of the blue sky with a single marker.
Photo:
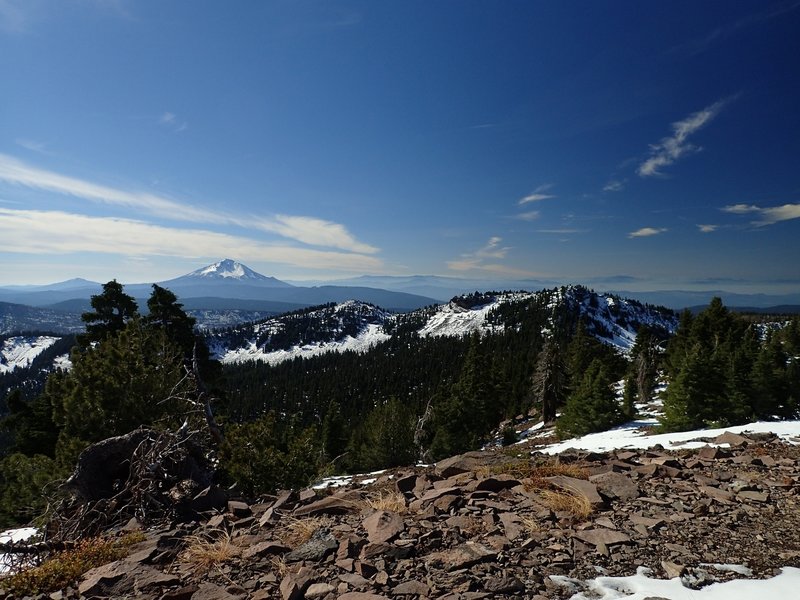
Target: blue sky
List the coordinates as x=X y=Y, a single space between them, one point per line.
x=634 y=145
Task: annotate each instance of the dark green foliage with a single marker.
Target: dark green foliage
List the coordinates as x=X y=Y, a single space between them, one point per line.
x=30 y=425
x=549 y=386
x=722 y=372
x=509 y=436
x=258 y=459
x=583 y=349
x=467 y=414
x=126 y=381
x=592 y=406
x=335 y=433
x=23 y=480
x=386 y=439
x=112 y=309
x=166 y=313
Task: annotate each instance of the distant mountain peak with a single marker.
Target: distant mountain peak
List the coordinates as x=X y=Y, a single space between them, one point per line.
x=229 y=269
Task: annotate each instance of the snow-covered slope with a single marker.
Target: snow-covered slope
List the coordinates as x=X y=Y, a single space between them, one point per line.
x=20 y=351
x=352 y=325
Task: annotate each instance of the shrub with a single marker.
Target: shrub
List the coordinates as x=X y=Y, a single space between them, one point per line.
x=65 y=568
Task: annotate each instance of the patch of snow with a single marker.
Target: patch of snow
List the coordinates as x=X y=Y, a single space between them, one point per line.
x=14 y=535
x=62 y=362
x=633 y=435
x=641 y=586
x=453 y=320
x=20 y=351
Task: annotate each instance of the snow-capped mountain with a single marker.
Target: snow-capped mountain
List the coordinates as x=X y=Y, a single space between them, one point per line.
x=359 y=326
x=230 y=270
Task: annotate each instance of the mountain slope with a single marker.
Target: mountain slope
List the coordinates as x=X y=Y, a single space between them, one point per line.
x=359 y=326
x=18 y=317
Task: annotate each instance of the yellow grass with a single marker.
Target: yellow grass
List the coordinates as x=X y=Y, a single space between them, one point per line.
x=572 y=502
x=389 y=501
x=204 y=553
x=298 y=531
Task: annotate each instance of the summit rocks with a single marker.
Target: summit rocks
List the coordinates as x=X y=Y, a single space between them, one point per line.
x=487 y=525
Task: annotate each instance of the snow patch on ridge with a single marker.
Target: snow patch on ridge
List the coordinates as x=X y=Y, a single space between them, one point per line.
x=456 y=321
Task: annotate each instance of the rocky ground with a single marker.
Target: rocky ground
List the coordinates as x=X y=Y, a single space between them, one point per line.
x=484 y=525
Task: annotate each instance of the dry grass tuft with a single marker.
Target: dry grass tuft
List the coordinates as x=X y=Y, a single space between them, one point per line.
x=389 y=501
x=572 y=502
x=298 y=531
x=280 y=566
x=530 y=523
x=204 y=553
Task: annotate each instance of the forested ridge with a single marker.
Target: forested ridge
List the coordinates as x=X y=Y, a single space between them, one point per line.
x=410 y=397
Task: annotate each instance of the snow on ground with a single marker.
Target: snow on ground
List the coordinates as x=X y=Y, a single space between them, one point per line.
x=369 y=337
x=633 y=435
x=640 y=587
x=456 y=321
x=14 y=535
x=20 y=351
x=62 y=362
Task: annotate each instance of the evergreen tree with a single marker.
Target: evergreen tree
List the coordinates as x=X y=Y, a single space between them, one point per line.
x=388 y=439
x=591 y=407
x=23 y=480
x=126 y=381
x=113 y=308
x=461 y=421
x=549 y=385
x=696 y=396
x=30 y=425
x=165 y=312
x=334 y=432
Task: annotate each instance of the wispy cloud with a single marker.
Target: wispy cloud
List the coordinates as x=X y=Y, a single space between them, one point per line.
x=171 y=121
x=308 y=230
x=673 y=147
x=318 y=232
x=615 y=185
x=32 y=145
x=707 y=228
x=538 y=194
x=530 y=215
x=768 y=215
x=480 y=260
x=740 y=209
x=646 y=232
x=492 y=249
x=58 y=232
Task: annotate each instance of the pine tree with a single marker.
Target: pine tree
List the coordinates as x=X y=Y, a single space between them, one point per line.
x=167 y=313
x=113 y=308
x=591 y=407
x=549 y=384
x=127 y=381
